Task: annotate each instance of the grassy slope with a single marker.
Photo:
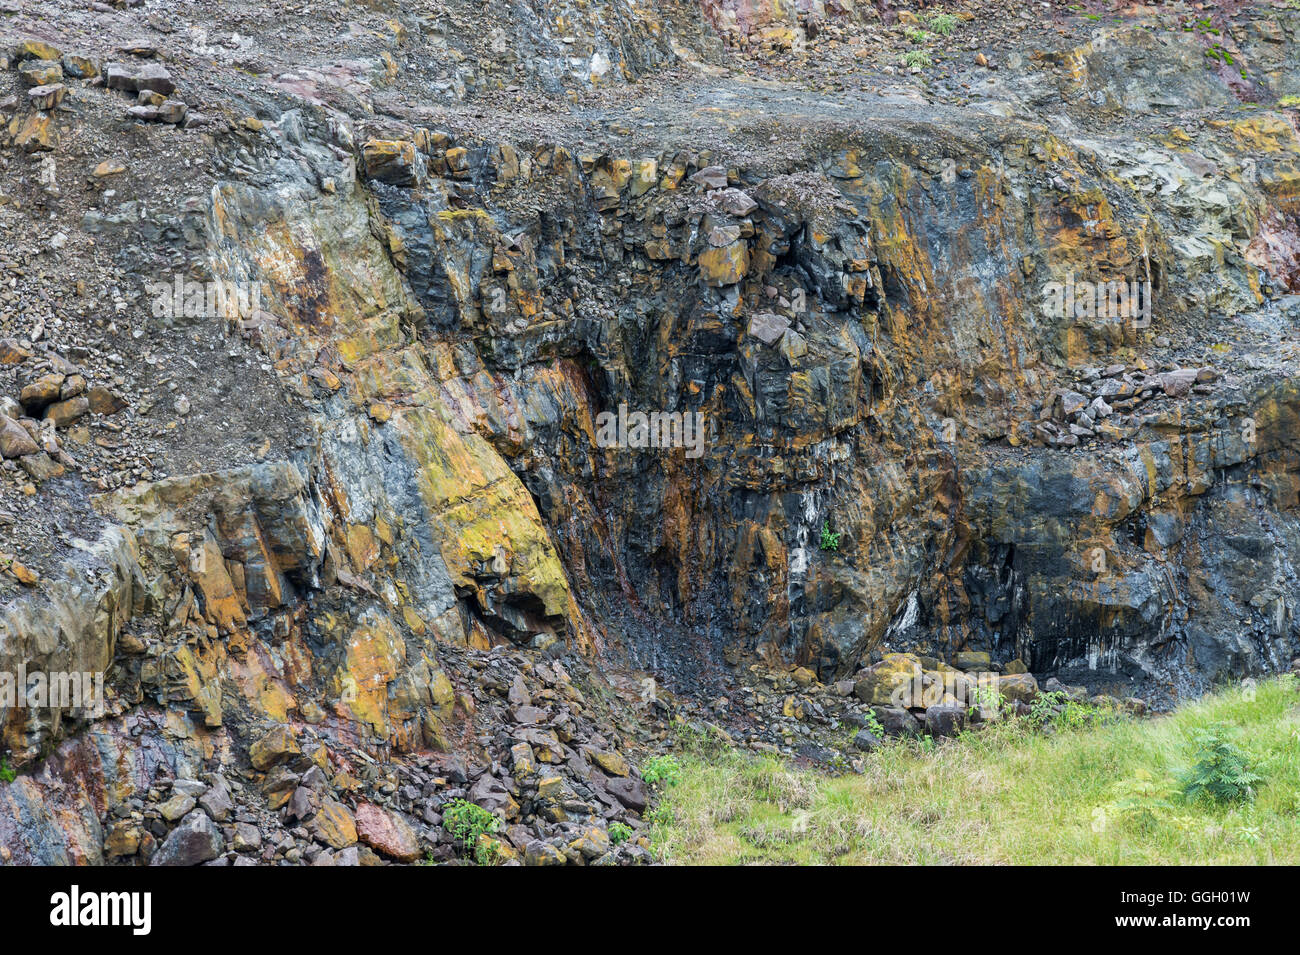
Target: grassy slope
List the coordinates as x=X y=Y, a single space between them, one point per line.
x=1006 y=795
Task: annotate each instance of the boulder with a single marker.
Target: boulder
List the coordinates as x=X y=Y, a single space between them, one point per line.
x=973 y=660
x=387 y=833
x=195 y=841
x=631 y=793
x=134 y=77
x=866 y=741
x=1018 y=687
x=946 y=719
x=879 y=683
x=15 y=442
x=276 y=747
x=896 y=721
x=334 y=825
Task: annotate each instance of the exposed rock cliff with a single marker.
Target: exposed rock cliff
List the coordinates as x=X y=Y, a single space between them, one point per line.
x=347 y=537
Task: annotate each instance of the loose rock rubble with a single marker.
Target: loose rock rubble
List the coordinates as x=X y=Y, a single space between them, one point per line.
x=1105 y=402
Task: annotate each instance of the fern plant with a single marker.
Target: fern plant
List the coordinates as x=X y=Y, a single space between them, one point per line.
x=1222 y=771
x=1143 y=802
x=829 y=540
x=943 y=24
x=916 y=59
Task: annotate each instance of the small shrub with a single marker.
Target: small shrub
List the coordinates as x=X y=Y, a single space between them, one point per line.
x=1043 y=710
x=466 y=822
x=662 y=772
x=7 y=774
x=943 y=23
x=986 y=698
x=829 y=540
x=916 y=59
x=1222 y=771
x=916 y=35
x=1143 y=802
x=619 y=833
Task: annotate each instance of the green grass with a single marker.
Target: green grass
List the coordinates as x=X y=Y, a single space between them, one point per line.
x=1103 y=793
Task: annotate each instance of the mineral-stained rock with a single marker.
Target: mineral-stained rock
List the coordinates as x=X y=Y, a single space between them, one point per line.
x=390 y=161
x=103 y=401
x=79 y=67
x=1019 y=687
x=247 y=838
x=387 y=833
x=35 y=50
x=176 y=807
x=64 y=413
x=123 y=840
x=41 y=467
x=14 y=439
x=374 y=505
x=726 y=265
x=11 y=353
x=611 y=762
x=277 y=746
x=48 y=96
x=973 y=660
x=38 y=73
x=41 y=392
x=334 y=825
x=882 y=683
x=542 y=853
x=592 y=843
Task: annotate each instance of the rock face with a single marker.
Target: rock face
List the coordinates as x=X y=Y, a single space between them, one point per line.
x=468 y=378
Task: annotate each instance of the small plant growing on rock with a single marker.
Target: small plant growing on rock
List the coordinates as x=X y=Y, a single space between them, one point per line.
x=829 y=540
x=916 y=59
x=662 y=772
x=916 y=35
x=1043 y=710
x=619 y=833
x=466 y=822
x=987 y=701
x=943 y=23
x=7 y=774
x=1222 y=771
